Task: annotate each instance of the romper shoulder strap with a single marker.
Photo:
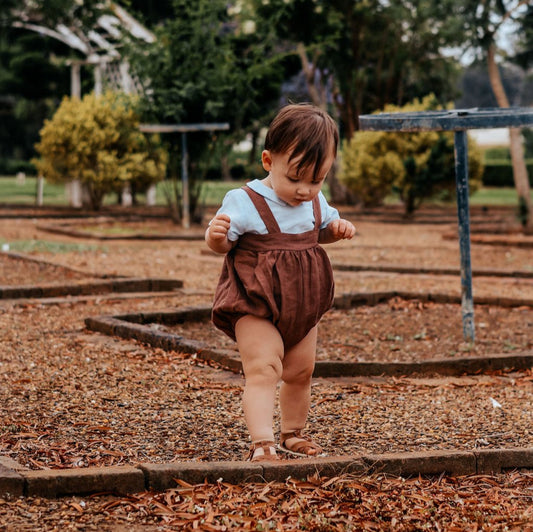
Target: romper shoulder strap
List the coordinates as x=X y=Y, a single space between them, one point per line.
x=317 y=212
x=263 y=209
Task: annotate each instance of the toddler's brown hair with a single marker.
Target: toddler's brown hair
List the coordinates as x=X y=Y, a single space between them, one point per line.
x=306 y=130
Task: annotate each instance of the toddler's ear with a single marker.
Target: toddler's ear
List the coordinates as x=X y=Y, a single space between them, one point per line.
x=266 y=159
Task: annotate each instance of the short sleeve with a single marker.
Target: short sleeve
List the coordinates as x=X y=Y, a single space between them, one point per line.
x=244 y=217
x=328 y=212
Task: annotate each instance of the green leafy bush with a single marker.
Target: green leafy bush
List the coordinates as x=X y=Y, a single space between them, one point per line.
x=497 y=154
x=97 y=140
x=415 y=165
x=499 y=173
x=14 y=166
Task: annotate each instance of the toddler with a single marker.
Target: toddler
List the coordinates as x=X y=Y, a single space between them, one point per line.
x=277 y=281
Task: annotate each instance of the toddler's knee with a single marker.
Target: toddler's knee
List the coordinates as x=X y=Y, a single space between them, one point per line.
x=298 y=375
x=267 y=372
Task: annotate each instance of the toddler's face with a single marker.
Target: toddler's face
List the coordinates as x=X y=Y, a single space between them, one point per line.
x=289 y=186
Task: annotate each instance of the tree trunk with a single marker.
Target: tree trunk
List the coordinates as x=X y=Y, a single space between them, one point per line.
x=252 y=157
x=520 y=176
x=338 y=192
x=224 y=167
x=309 y=72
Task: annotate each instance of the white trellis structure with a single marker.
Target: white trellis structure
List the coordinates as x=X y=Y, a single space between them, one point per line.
x=100 y=48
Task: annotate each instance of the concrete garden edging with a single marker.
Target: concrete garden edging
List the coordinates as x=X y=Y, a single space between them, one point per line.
x=91 y=287
x=16 y=481
x=134 y=326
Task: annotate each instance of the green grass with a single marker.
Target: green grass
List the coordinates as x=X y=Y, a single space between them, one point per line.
x=212 y=191
x=44 y=246
x=12 y=192
x=495 y=196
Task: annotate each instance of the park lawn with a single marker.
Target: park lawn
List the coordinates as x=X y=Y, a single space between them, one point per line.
x=13 y=192
x=495 y=196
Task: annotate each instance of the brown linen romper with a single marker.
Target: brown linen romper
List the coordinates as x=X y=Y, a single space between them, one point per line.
x=285 y=278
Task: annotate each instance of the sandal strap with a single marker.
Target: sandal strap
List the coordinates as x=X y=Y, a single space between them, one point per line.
x=302 y=446
x=294 y=434
x=267 y=451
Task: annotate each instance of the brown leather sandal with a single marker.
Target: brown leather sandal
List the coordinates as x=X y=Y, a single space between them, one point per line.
x=301 y=447
x=262 y=451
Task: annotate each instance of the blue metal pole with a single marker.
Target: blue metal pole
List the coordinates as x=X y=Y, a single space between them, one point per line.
x=186 y=222
x=461 y=180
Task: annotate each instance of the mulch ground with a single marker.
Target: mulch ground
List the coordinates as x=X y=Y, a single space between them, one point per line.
x=489 y=503
x=73 y=398
x=399 y=331
x=15 y=271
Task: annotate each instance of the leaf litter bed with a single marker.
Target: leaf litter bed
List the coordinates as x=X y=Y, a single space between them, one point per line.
x=343 y=504
x=113 y=229
x=19 y=271
x=73 y=399
x=399 y=331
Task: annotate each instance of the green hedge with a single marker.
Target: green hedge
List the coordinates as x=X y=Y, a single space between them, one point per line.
x=14 y=166
x=499 y=173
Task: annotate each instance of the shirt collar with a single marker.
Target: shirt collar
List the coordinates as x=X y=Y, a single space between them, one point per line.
x=266 y=192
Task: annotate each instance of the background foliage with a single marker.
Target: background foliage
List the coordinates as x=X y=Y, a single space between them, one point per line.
x=97 y=141
x=205 y=69
x=417 y=166
x=238 y=61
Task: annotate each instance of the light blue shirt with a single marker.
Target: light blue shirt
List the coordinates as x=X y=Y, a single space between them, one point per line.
x=245 y=218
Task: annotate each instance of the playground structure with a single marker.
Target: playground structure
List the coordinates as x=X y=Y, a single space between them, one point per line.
x=100 y=46
x=459 y=121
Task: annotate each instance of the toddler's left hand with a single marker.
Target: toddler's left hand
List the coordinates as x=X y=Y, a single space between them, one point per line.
x=342 y=229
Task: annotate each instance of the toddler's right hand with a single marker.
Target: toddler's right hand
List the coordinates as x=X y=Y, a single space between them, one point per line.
x=216 y=235
x=219 y=227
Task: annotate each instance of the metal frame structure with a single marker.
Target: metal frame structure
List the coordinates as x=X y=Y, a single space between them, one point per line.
x=459 y=121
x=183 y=129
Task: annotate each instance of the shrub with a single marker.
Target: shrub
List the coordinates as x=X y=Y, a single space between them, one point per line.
x=415 y=165
x=499 y=173
x=97 y=140
x=14 y=166
x=496 y=154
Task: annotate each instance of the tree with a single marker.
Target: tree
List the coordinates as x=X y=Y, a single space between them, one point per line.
x=187 y=79
x=30 y=90
x=150 y=12
x=205 y=68
x=479 y=24
x=361 y=55
x=476 y=90
x=524 y=53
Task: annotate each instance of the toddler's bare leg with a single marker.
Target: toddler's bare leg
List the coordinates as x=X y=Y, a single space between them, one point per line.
x=295 y=392
x=261 y=349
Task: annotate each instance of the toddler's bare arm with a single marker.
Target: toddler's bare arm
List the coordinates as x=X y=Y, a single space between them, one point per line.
x=216 y=234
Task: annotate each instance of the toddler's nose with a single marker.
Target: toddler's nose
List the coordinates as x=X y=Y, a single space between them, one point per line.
x=303 y=191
